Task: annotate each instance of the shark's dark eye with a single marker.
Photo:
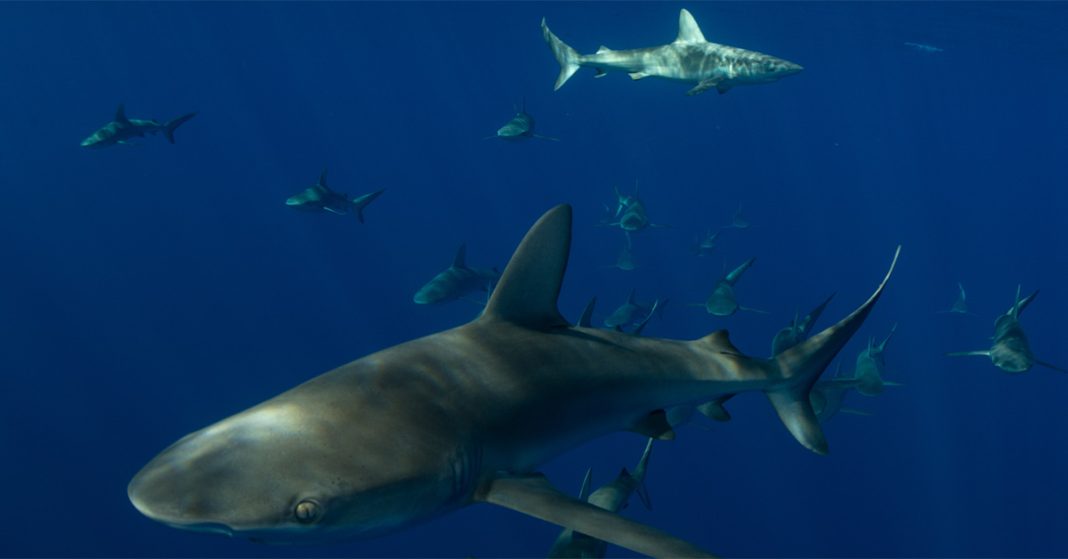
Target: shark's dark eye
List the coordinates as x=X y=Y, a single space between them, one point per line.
x=307 y=511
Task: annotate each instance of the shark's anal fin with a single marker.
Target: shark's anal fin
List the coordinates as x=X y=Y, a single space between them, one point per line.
x=655 y=426
x=528 y=289
x=534 y=496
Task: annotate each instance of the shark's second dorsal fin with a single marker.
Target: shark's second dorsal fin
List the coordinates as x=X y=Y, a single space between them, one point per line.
x=460 y=261
x=120 y=114
x=689 y=32
x=603 y=49
x=322 y=180
x=527 y=291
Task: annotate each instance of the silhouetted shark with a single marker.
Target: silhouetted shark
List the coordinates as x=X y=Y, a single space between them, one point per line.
x=320 y=198
x=1011 y=352
x=122 y=129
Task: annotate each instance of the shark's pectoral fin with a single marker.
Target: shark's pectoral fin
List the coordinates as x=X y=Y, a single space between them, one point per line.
x=534 y=496
x=599 y=73
x=1050 y=366
x=638 y=75
x=655 y=425
x=704 y=85
x=977 y=353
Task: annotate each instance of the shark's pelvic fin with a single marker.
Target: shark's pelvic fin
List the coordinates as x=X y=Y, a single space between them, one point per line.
x=567 y=57
x=802 y=365
x=530 y=285
x=689 y=32
x=534 y=496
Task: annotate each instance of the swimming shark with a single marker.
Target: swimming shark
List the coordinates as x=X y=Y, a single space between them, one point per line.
x=320 y=198
x=1011 y=352
x=122 y=130
x=797 y=330
x=613 y=498
x=625 y=260
x=521 y=127
x=828 y=395
x=466 y=416
x=689 y=58
x=704 y=246
x=630 y=214
x=960 y=306
x=456 y=281
x=722 y=301
x=871 y=366
x=738 y=220
x=923 y=47
x=630 y=312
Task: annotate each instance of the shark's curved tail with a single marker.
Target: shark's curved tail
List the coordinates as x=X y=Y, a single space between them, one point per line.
x=568 y=57
x=168 y=129
x=801 y=366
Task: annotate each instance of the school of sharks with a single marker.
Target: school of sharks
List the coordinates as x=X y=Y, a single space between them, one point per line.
x=469 y=415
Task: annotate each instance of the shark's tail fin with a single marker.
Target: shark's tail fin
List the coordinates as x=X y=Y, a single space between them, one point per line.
x=801 y=366
x=361 y=202
x=565 y=55
x=169 y=128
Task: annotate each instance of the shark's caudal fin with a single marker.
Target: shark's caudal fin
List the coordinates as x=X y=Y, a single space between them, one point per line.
x=361 y=202
x=567 y=57
x=530 y=285
x=534 y=496
x=802 y=365
x=736 y=274
x=168 y=129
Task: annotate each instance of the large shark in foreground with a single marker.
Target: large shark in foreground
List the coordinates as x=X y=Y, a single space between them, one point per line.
x=1011 y=352
x=467 y=416
x=689 y=58
x=122 y=130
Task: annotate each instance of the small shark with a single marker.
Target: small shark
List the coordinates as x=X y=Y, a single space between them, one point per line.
x=456 y=281
x=722 y=302
x=625 y=260
x=960 y=306
x=930 y=49
x=1011 y=352
x=466 y=416
x=630 y=214
x=320 y=198
x=689 y=58
x=521 y=127
x=123 y=130
x=798 y=329
x=630 y=312
x=738 y=221
x=613 y=498
x=705 y=246
x=828 y=395
x=871 y=366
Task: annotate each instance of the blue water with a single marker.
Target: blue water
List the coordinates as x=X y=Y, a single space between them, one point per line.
x=150 y=290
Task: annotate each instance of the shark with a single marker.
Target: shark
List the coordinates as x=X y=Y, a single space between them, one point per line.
x=625 y=260
x=923 y=47
x=122 y=130
x=521 y=127
x=613 y=497
x=456 y=281
x=689 y=58
x=722 y=301
x=705 y=246
x=466 y=416
x=797 y=330
x=320 y=198
x=631 y=312
x=960 y=306
x=828 y=395
x=871 y=366
x=738 y=220
x=1011 y=352
x=631 y=215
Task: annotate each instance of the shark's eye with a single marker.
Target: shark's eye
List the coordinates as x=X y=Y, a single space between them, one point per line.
x=307 y=511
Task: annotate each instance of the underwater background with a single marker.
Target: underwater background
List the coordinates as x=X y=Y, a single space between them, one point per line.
x=152 y=289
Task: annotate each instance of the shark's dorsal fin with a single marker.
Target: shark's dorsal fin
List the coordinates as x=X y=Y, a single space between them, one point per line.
x=460 y=260
x=586 y=320
x=120 y=114
x=689 y=32
x=603 y=49
x=322 y=180
x=527 y=291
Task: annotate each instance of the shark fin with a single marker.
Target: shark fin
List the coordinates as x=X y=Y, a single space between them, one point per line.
x=638 y=75
x=361 y=202
x=736 y=274
x=567 y=57
x=603 y=49
x=534 y=496
x=459 y=261
x=720 y=340
x=120 y=114
x=1021 y=304
x=654 y=425
x=704 y=85
x=1049 y=366
x=976 y=353
x=530 y=285
x=322 y=180
x=599 y=73
x=172 y=125
x=802 y=365
x=715 y=410
x=586 y=320
x=584 y=491
x=689 y=32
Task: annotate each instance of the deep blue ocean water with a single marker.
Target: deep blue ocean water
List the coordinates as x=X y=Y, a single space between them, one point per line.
x=150 y=290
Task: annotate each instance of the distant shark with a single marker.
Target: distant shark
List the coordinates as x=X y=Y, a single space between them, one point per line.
x=521 y=127
x=828 y=395
x=632 y=312
x=122 y=130
x=625 y=260
x=467 y=416
x=738 y=220
x=1011 y=352
x=613 y=498
x=631 y=215
x=871 y=366
x=797 y=330
x=923 y=47
x=456 y=281
x=706 y=245
x=960 y=306
x=690 y=58
x=722 y=301
x=320 y=198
